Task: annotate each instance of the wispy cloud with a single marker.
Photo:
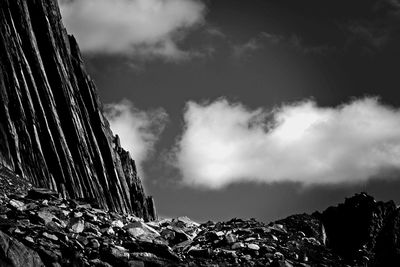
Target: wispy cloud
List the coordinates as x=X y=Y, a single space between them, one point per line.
x=144 y=28
x=243 y=50
x=214 y=31
x=292 y=42
x=369 y=35
x=361 y=26
x=375 y=30
x=224 y=143
x=138 y=130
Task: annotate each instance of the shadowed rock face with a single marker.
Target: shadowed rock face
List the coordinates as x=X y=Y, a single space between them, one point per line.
x=388 y=242
x=14 y=253
x=52 y=129
x=363 y=227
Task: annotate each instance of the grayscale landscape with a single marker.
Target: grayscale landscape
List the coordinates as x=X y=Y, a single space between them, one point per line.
x=199 y=133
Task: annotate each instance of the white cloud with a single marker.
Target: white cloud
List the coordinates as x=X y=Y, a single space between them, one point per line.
x=226 y=143
x=138 y=130
x=144 y=28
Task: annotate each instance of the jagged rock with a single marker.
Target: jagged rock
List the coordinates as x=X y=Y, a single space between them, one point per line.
x=168 y=234
x=99 y=263
x=237 y=245
x=388 y=242
x=11 y=183
x=118 y=254
x=230 y=238
x=42 y=193
x=94 y=243
x=183 y=222
x=45 y=216
x=78 y=214
x=136 y=263
x=352 y=227
x=18 y=205
x=117 y=223
x=77 y=225
x=281 y=263
x=141 y=230
x=50 y=236
x=199 y=252
x=52 y=129
x=15 y=254
x=253 y=246
x=114 y=239
x=29 y=239
x=306 y=225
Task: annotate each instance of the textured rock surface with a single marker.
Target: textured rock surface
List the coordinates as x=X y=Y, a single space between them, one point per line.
x=14 y=254
x=44 y=230
x=52 y=130
x=73 y=233
x=70 y=233
x=53 y=136
x=361 y=226
x=388 y=242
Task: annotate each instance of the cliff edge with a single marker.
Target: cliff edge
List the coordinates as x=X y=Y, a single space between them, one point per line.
x=52 y=129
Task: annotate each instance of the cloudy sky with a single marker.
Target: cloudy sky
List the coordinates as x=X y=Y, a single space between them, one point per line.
x=256 y=108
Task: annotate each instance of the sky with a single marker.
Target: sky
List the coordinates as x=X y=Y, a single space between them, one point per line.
x=249 y=108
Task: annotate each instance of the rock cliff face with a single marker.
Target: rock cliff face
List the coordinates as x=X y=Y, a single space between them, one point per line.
x=362 y=227
x=52 y=130
x=356 y=223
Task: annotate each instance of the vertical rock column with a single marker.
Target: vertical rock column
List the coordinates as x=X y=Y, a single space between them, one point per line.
x=52 y=129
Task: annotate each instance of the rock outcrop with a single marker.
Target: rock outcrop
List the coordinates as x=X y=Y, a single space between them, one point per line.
x=363 y=228
x=52 y=129
x=387 y=248
x=43 y=228
x=59 y=232
x=70 y=194
x=14 y=253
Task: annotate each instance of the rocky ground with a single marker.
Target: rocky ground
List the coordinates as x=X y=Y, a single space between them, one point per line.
x=37 y=228
x=53 y=133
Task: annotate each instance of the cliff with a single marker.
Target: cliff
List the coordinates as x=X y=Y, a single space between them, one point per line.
x=53 y=135
x=52 y=129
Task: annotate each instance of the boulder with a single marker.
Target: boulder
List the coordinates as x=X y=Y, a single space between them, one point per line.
x=16 y=204
x=15 y=254
x=141 y=230
x=42 y=193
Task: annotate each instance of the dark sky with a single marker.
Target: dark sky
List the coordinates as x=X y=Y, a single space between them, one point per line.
x=261 y=53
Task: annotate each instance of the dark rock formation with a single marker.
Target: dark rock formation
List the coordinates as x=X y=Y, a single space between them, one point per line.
x=14 y=253
x=310 y=225
x=362 y=227
x=387 y=247
x=52 y=129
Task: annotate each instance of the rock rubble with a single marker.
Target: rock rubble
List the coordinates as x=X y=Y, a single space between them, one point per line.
x=40 y=228
x=72 y=233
